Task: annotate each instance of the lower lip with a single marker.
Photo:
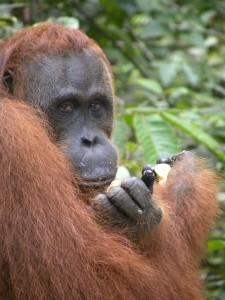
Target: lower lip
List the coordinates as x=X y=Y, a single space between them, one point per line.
x=98 y=183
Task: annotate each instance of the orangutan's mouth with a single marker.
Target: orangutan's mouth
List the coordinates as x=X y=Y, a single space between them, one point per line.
x=102 y=181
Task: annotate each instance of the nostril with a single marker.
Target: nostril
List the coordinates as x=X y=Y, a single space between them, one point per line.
x=89 y=142
x=86 y=142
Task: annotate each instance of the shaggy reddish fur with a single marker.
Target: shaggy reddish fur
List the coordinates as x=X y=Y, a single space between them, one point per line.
x=51 y=247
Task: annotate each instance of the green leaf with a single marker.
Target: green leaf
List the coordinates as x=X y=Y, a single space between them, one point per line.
x=155 y=136
x=154 y=30
x=146 y=5
x=150 y=85
x=149 y=110
x=196 y=133
x=216 y=245
x=195 y=38
x=168 y=72
x=207 y=16
x=192 y=77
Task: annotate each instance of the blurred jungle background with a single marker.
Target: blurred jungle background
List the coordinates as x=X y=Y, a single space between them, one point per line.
x=168 y=59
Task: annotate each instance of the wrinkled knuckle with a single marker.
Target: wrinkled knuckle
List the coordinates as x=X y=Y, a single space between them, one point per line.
x=129 y=182
x=115 y=192
x=133 y=182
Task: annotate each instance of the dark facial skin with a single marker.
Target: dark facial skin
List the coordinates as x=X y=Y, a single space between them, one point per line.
x=75 y=93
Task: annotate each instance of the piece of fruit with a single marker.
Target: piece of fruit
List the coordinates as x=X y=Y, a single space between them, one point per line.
x=114 y=183
x=162 y=171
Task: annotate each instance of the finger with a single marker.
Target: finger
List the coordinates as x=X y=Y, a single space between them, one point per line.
x=149 y=176
x=137 y=190
x=124 y=203
x=103 y=203
x=148 y=167
x=165 y=160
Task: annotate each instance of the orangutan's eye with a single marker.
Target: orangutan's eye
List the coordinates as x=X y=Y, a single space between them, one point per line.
x=66 y=106
x=95 y=106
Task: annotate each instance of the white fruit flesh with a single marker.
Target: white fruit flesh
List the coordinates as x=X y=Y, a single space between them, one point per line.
x=162 y=171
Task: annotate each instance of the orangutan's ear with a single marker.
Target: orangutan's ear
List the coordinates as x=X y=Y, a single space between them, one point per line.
x=8 y=80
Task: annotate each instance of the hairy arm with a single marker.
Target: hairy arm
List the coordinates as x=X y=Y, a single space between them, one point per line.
x=190 y=195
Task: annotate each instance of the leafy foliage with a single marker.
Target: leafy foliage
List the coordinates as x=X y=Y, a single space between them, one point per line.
x=156 y=137
x=168 y=61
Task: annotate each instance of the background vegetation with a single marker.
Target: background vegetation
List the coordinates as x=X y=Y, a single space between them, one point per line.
x=168 y=58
